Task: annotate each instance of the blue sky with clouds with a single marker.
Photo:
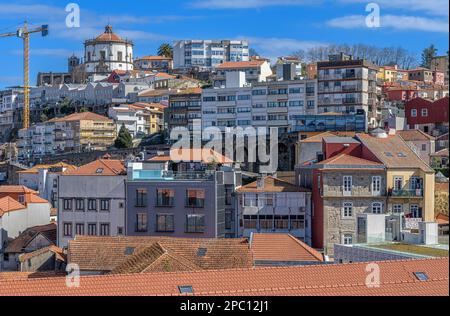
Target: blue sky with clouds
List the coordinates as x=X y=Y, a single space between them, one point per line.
x=274 y=27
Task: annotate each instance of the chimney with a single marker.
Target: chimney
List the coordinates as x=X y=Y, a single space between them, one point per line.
x=260 y=182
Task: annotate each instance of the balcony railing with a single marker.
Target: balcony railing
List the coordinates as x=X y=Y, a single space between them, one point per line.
x=407 y=193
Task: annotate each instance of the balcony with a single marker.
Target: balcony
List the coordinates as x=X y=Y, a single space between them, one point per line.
x=418 y=193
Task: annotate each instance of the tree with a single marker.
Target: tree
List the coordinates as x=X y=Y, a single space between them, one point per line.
x=124 y=139
x=165 y=50
x=427 y=56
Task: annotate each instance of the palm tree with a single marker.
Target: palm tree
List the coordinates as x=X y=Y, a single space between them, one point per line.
x=165 y=50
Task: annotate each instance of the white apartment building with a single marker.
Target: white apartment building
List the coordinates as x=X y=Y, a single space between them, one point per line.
x=255 y=71
x=270 y=205
x=131 y=116
x=271 y=104
x=207 y=54
x=36 y=141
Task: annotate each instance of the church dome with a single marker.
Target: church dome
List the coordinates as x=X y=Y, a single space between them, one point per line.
x=109 y=36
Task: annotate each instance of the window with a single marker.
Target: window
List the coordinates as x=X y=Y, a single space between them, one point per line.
x=398 y=183
x=92 y=204
x=347 y=209
x=415 y=211
x=425 y=112
x=281 y=222
x=347 y=185
x=67 y=229
x=119 y=230
x=141 y=197
x=141 y=222
x=92 y=229
x=55 y=183
x=195 y=198
x=165 y=223
x=376 y=185
x=79 y=229
x=269 y=200
x=414 y=112
x=397 y=208
x=195 y=223
x=104 y=205
x=104 y=229
x=266 y=221
x=67 y=204
x=347 y=239
x=79 y=204
x=377 y=208
x=165 y=197
x=119 y=56
x=228 y=219
x=297 y=221
x=5 y=256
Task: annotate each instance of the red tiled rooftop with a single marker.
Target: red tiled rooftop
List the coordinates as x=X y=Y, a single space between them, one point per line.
x=100 y=167
x=348 y=160
x=282 y=247
x=396 y=279
x=8 y=204
x=271 y=184
x=240 y=64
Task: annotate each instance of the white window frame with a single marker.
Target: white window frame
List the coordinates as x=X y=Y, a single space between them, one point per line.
x=377 y=208
x=376 y=185
x=424 y=112
x=347 y=210
x=395 y=182
x=413 y=112
x=346 y=238
x=414 y=210
x=347 y=182
x=397 y=206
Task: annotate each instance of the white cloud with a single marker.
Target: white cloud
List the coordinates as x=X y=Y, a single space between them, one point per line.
x=53 y=52
x=244 y=4
x=274 y=47
x=431 y=7
x=397 y=22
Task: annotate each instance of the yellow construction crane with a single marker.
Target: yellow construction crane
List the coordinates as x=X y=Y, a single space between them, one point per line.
x=24 y=32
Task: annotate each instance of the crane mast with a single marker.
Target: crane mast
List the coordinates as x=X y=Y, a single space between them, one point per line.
x=24 y=33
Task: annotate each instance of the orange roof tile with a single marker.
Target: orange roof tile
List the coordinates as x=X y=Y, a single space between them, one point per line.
x=33 y=198
x=271 y=184
x=397 y=279
x=415 y=134
x=84 y=116
x=194 y=155
x=348 y=160
x=59 y=253
x=393 y=152
x=109 y=253
x=442 y=219
x=16 y=189
x=319 y=137
x=440 y=153
x=240 y=64
x=35 y=169
x=8 y=204
x=282 y=248
x=100 y=167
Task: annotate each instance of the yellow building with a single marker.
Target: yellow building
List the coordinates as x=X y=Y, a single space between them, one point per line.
x=410 y=180
x=388 y=73
x=153 y=114
x=87 y=130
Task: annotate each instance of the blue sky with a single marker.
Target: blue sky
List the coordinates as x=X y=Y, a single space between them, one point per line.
x=274 y=27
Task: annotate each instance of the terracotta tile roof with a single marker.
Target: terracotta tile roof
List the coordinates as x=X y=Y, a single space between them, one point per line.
x=59 y=254
x=84 y=116
x=194 y=155
x=15 y=275
x=109 y=253
x=348 y=160
x=271 y=184
x=282 y=248
x=155 y=258
x=442 y=219
x=33 y=198
x=164 y=75
x=148 y=105
x=440 y=153
x=397 y=279
x=241 y=64
x=155 y=93
x=35 y=169
x=8 y=204
x=16 y=189
x=416 y=134
x=100 y=167
x=18 y=244
x=319 y=137
x=53 y=211
x=387 y=150
x=441 y=186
